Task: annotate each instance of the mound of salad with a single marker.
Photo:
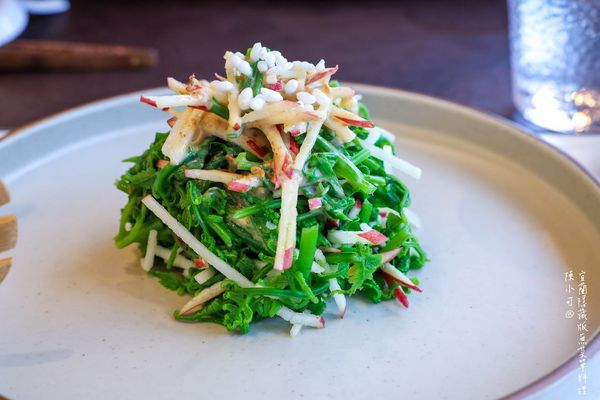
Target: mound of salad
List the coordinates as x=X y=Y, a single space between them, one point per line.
x=272 y=195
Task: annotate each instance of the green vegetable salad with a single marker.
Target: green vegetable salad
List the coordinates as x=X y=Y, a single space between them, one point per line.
x=272 y=195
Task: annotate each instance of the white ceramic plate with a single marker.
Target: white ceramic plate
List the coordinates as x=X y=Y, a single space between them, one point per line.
x=13 y=20
x=504 y=215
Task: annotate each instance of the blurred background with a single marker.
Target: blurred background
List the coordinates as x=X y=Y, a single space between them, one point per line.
x=456 y=49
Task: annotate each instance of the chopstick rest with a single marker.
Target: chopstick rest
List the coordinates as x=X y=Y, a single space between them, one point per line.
x=8 y=232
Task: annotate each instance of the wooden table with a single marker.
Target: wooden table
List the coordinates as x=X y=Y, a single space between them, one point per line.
x=452 y=49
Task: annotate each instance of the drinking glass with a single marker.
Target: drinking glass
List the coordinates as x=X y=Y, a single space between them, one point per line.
x=555 y=60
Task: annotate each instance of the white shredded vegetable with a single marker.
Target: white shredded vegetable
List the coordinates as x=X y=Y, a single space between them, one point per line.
x=148 y=260
x=339 y=298
x=396 y=273
x=346 y=237
x=204 y=275
x=395 y=162
x=205 y=295
x=180 y=261
x=316 y=268
x=300 y=318
x=295 y=330
x=412 y=218
x=213 y=175
x=181 y=136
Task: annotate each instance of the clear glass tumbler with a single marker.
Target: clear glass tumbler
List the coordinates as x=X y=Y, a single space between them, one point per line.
x=555 y=59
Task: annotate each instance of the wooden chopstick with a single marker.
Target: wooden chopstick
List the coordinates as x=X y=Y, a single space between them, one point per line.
x=27 y=55
x=5 y=264
x=8 y=232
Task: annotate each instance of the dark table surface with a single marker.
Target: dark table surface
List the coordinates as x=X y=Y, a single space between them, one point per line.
x=455 y=49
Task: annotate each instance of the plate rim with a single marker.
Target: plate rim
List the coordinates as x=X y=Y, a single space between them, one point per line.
x=535 y=387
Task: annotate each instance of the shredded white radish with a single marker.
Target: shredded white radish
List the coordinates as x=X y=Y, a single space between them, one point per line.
x=180 y=261
x=365 y=227
x=148 y=260
x=354 y=211
x=320 y=258
x=316 y=268
x=386 y=164
x=204 y=275
x=412 y=218
x=295 y=330
x=374 y=135
x=205 y=295
x=385 y=133
x=300 y=318
x=339 y=298
x=213 y=175
x=395 y=162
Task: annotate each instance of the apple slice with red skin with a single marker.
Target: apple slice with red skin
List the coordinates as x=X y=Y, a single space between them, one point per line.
x=294 y=147
x=389 y=255
x=287 y=258
x=160 y=164
x=321 y=75
x=356 y=122
x=374 y=236
x=391 y=272
x=259 y=151
x=148 y=101
x=314 y=203
x=239 y=187
x=398 y=292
